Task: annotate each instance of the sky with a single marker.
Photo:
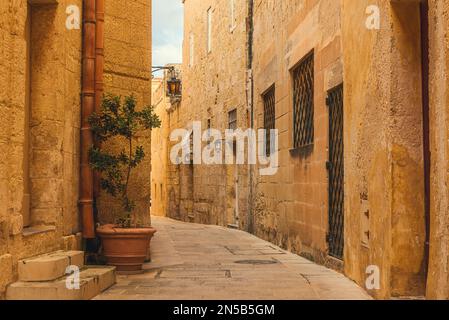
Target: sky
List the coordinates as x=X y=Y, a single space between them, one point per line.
x=167 y=32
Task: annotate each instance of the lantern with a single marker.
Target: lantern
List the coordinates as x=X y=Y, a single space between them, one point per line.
x=173 y=87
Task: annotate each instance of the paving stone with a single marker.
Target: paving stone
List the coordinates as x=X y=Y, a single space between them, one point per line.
x=191 y=262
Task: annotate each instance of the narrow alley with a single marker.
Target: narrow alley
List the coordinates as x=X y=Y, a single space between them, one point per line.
x=191 y=261
x=224 y=150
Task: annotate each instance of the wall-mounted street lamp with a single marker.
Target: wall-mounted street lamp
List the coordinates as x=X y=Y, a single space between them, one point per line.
x=174 y=85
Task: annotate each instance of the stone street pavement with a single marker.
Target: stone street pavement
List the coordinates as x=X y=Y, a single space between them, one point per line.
x=191 y=261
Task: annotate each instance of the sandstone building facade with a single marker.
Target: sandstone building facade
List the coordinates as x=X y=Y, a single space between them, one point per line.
x=165 y=107
x=214 y=92
x=358 y=92
x=127 y=70
x=40 y=104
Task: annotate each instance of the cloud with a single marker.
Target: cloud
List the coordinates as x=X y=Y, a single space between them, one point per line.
x=166 y=53
x=167 y=31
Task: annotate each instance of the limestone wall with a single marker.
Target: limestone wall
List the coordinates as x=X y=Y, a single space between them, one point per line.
x=40 y=115
x=127 y=70
x=159 y=149
x=438 y=280
x=383 y=139
x=292 y=206
x=384 y=152
x=40 y=72
x=213 y=85
x=381 y=69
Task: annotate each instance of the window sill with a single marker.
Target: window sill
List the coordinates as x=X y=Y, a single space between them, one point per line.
x=31 y=231
x=305 y=149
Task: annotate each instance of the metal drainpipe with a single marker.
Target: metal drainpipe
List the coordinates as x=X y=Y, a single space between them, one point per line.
x=87 y=107
x=250 y=99
x=99 y=71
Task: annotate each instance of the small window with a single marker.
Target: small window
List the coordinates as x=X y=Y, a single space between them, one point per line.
x=209 y=30
x=269 y=117
x=232 y=16
x=303 y=94
x=191 y=49
x=232 y=119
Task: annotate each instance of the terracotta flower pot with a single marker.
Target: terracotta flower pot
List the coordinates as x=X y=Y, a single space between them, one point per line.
x=125 y=248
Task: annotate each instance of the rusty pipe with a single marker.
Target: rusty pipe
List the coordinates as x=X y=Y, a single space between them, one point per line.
x=99 y=71
x=87 y=108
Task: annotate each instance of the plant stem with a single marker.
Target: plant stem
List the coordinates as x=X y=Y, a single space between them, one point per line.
x=125 y=192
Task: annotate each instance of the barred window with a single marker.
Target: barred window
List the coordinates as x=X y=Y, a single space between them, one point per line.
x=303 y=79
x=269 y=117
x=232 y=119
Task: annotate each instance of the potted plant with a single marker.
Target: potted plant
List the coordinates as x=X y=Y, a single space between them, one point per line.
x=125 y=243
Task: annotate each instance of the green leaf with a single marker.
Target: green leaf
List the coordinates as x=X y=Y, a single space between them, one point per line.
x=119 y=118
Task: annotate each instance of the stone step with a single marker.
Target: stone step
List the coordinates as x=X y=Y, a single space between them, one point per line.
x=92 y=281
x=49 y=266
x=104 y=275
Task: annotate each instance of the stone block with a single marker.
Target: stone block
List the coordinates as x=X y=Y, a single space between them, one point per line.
x=69 y=242
x=6 y=272
x=76 y=258
x=92 y=282
x=46 y=216
x=104 y=276
x=49 y=266
x=16 y=224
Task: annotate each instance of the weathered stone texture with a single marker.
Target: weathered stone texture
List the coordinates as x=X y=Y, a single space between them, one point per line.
x=438 y=280
x=159 y=148
x=383 y=136
x=212 y=86
x=292 y=205
x=127 y=69
x=6 y=272
x=40 y=119
x=383 y=103
x=39 y=130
